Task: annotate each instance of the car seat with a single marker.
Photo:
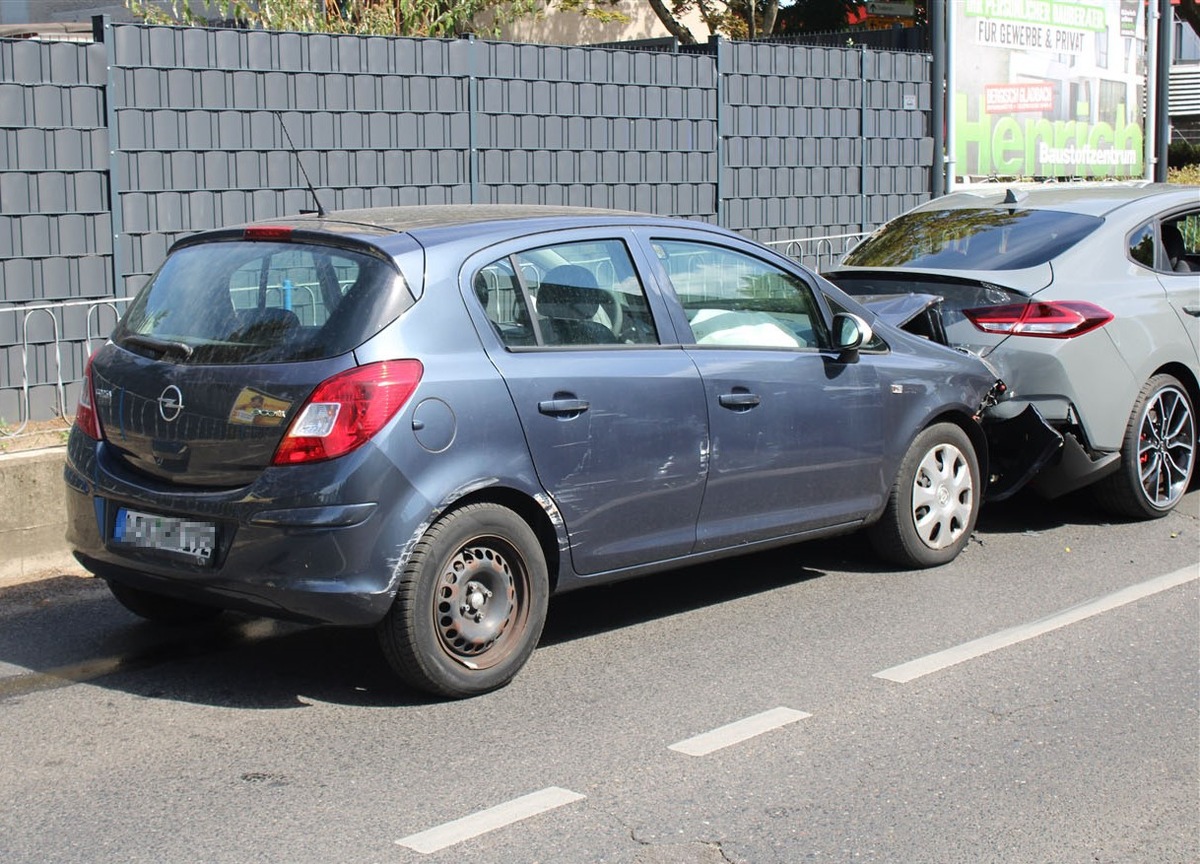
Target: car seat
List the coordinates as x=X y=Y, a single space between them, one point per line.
x=1172 y=242
x=568 y=300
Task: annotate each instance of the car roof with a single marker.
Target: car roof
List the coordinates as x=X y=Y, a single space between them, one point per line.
x=440 y=223
x=402 y=219
x=1093 y=199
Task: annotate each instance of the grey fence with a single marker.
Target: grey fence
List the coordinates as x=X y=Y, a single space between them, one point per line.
x=113 y=150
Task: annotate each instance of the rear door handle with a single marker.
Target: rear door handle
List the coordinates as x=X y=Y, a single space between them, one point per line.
x=1192 y=310
x=739 y=401
x=564 y=407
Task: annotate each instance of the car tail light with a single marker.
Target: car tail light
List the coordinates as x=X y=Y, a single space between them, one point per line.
x=1053 y=320
x=345 y=411
x=85 y=411
x=281 y=233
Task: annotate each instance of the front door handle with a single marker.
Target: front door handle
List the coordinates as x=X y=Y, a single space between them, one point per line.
x=1192 y=310
x=564 y=407
x=739 y=401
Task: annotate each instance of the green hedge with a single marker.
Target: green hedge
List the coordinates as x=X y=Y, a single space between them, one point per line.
x=1181 y=154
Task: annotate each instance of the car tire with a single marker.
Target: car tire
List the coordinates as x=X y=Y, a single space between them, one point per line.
x=160 y=608
x=934 y=502
x=470 y=604
x=1158 y=453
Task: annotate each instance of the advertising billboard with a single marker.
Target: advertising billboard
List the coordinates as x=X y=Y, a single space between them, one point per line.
x=1049 y=88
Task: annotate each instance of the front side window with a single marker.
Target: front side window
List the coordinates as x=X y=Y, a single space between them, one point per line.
x=582 y=294
x=734 y=299
x=262 y=302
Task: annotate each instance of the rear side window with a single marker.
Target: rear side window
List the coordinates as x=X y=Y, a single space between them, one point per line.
x=262 y=302
x=570 y=294
x=972 y=239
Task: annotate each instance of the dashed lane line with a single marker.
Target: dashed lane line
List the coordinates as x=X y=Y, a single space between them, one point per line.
x=738 y=731
x=931 y=663
x=516 y=810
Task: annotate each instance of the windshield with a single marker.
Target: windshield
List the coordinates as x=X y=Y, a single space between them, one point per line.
x=972 y=239
x=263 y=302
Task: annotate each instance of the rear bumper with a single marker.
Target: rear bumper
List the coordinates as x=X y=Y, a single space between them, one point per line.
x=1020 y=445
x=327 y=557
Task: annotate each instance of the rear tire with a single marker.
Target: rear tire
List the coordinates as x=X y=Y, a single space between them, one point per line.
x=1158 y=453
x=933 y=504
x=160 y=608
x=470 y=605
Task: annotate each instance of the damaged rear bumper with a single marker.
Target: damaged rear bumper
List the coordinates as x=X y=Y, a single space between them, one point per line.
x=1019 y=445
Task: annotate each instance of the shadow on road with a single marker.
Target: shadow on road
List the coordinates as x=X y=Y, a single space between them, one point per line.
x=67 y=630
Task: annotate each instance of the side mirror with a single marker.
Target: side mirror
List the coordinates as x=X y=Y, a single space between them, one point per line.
x=850 y=333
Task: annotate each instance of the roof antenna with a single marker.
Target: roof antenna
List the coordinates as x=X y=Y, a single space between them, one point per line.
x=311 y=191
x=1014 y=197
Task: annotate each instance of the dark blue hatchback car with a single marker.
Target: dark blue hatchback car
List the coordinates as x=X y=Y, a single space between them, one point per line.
x=427 y=420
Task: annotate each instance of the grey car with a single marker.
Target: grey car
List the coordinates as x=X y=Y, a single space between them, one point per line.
x=1085 y=299
x=428 y=420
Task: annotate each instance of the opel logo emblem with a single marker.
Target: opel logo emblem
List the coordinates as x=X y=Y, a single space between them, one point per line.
x=170 y=403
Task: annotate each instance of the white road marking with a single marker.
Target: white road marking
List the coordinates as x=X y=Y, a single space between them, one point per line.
x=738 y=731
x=533 y=804
x=931 y=663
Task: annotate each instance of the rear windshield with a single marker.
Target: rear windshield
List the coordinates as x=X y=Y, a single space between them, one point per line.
x=262 y=302
x=981 y=239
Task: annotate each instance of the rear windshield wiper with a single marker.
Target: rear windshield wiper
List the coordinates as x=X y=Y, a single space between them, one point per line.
x=163 y=346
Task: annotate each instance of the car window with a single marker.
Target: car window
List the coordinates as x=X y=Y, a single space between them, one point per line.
x=972 y=239
x=1180 y=236
x=1141 y=245
x=735 y=299
x=259 y=301
x=569 y=294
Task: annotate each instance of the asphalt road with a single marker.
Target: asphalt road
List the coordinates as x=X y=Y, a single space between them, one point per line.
x=764 y=709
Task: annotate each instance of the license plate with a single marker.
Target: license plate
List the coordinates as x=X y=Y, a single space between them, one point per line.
x=185 y=538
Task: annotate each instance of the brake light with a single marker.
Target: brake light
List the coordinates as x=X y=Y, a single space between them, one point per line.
x=1060 y=319
x=85 y=410
x=281 y=233
x=345 y=411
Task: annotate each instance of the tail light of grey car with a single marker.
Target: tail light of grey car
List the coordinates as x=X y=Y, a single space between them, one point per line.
x=1059 y=319
x=347 y=410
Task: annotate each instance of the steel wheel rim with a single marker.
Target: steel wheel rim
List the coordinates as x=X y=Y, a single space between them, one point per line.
x=943 y=496
x=1166 y=436
x=480 y=604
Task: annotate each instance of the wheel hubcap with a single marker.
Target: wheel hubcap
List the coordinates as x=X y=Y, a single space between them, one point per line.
x=479 y=603
x=943 y=496
x=1166 y=437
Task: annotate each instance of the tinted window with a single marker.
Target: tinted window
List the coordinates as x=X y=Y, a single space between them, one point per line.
x=735 y=299
x=239 y=302
x=982 y=239
x=567 y=294
x=1141 y=245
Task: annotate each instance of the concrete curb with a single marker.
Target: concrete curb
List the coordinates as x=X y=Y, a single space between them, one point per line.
x=33 y=517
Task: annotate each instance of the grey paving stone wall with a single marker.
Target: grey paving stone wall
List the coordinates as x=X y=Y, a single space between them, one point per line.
x=112 y=151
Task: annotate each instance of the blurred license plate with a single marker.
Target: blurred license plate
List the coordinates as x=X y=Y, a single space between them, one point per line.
x=195 y=541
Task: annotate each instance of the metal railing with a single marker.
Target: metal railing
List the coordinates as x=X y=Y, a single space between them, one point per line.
x=818 y=253
x=56 y=328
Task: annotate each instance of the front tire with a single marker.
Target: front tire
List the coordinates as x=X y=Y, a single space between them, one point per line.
x=470 y=605
x=933 y=505
x=1158 y=453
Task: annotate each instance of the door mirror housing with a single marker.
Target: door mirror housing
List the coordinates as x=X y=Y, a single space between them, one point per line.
x=850 y=332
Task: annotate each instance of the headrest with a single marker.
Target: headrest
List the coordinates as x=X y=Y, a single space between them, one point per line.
x=1172 y=242
x=568 y=291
